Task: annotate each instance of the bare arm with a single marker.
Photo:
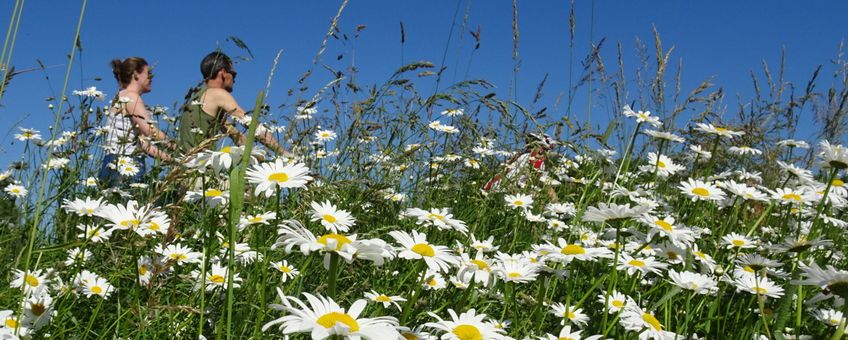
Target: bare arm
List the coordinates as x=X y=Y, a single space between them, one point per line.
x=146 y=130
x=226 y=102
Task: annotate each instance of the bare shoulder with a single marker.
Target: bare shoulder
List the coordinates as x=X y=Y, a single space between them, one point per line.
x=219 y=98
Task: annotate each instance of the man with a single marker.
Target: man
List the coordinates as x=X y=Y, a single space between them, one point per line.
x=206 y=111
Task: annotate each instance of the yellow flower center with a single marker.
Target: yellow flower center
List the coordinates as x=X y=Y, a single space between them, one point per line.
x=792 y=196
x=11 y=323
x=142 y=270
x=37 y=308
x=285 y=269
x=225 y=149
x=721 y=129
x=153 y=226
x=433 y=216
x=738 y=243
x=748 y=269
x=256 y=219
x=382 y=298
x=424 y=249
x=636 y=263
x=700 y=254
x=760 y=290
x=16 y=191
x=341 y=240
x=89 y=211
x=518 y=203
x=570 y=315
x=481 y=264
x=178 y=257
x=32 y=280
x=661 y=164
x=665 y=225
x=279 y=177
x=837 y=182
x=651 y=320
x=130 y=223
x=330 y=320
x=467 y=332
x=703 y=192
x=217 y=279
x=329 y=218
x=213 y=193
x=409 y=336
x=432 y=282
x=513 y=275
x=617 y=303
x=572 y=249
x=96 y=290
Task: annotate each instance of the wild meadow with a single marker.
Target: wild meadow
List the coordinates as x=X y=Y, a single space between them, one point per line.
x=420 y=209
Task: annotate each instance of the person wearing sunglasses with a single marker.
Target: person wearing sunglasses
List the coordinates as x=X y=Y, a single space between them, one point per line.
x=206 y=112
x=131 y=132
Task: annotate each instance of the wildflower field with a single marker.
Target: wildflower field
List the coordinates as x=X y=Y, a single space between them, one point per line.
x=403 y=212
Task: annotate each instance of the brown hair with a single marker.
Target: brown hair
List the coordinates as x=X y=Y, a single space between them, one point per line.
x=124 y=70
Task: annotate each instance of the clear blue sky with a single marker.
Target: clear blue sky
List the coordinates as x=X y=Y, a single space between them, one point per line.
x=725 y=39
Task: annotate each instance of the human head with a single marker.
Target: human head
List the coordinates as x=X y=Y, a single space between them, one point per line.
x=132 y=69
x=215 y=65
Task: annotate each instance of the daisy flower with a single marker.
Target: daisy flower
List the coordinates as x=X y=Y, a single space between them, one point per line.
x=325 y=135
x=664 y=135
x=211 y=197
x=519 y=201
x=791 y=196
x=384 y=299
x=833 y=156
x=485 y=246
x=616 y=301
x=28 y=134
x=124 y=217
x=288 y=271
x=566 y=252
x=262 y=218
x=758 y=285
x=94 y=234
x=698 y=283
x=743 y=191
x=718 y=131
x=332 y=218
x=663 y=165
x=829 y=279
x=10 y=324
x=415 y=246
x=734 y=240
x=440 y=218
x=517 y=271
x=642 y=116
x=699 y=190
x=643 y=265
x=744 y=150
x=16 y=190
x=215 y=278
x=433 y=280
x=678 y=235
x=32 y=281
x=323 y=318
x=97 y=286
x=575 y=315
x=640 y=320
x=453 y=112
x=604 y=212
x=468 y=325
x=791 y=143
x=273 y=175
x=179 y=254
x=830 y=317
x=82 y=207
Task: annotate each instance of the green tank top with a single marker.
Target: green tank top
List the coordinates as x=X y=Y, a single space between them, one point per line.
x=196 y=125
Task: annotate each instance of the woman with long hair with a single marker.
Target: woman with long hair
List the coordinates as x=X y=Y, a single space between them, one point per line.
x=131 y=136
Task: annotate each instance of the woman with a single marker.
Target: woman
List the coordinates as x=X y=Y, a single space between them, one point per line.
x=131 y=135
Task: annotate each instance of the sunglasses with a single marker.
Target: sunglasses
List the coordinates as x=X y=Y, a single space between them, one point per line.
x=232 y=72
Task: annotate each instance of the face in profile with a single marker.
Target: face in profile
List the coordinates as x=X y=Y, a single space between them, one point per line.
x=145 y=79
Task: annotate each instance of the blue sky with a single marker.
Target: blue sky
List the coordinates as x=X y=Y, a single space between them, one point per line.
x=725 y=39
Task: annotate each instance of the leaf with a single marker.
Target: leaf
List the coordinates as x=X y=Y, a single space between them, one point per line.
x=240 y=44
